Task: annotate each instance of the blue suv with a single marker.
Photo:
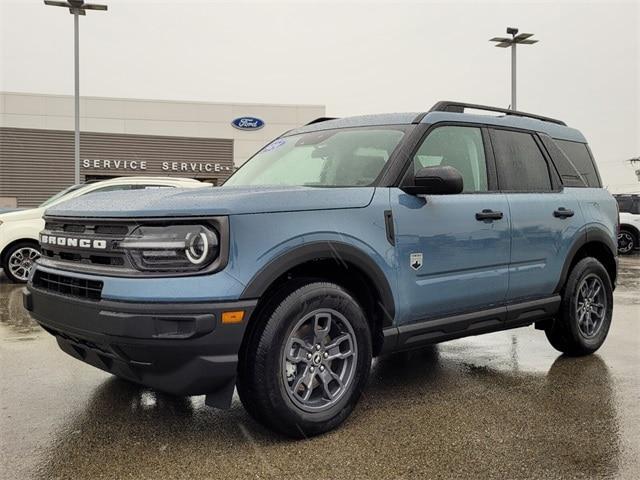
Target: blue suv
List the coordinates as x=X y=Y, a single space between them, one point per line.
x=337 y=242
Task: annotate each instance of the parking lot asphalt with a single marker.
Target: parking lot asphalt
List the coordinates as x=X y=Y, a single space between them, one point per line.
x=503 y=406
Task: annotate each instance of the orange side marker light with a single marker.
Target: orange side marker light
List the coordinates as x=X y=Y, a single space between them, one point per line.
x=232 y=317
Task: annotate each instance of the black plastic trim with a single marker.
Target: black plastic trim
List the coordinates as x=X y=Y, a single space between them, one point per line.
x=338 y=251
x=591 y=233
x=459 y=107
x=419 y=117
x=388 y=224
x=319 y=120
x=435 y=330
x=179 y=348
x=393 y=167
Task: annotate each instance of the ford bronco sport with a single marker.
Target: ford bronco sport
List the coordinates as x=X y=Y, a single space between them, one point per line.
x=338 y=241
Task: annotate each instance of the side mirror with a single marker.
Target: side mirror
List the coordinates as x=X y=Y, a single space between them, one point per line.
x=439 y=180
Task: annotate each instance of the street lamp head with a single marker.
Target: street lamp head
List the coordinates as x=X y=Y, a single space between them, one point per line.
x=522 y=38
x=76 y=7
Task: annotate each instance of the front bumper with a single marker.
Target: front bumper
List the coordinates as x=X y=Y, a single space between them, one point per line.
x=178 y=348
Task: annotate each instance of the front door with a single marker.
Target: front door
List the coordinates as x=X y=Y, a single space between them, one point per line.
x=453 y=250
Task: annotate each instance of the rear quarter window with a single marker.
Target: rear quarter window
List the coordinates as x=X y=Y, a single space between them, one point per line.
x=580 y=157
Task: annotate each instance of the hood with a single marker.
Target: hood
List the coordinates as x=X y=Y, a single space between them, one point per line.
x=9 y=209
x=214 y=201
x=20 y=215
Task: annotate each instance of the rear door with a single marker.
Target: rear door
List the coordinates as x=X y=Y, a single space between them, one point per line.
x=453 y=250
x=545 y=217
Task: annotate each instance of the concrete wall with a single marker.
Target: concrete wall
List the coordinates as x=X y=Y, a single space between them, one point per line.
x=155 y=117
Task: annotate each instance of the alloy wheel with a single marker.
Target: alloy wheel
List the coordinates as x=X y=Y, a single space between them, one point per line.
x=591 y=305
x=21 y=262
x=625 y=242
x=319 y=360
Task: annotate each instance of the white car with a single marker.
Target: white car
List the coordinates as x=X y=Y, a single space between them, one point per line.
x=19 y=230
x=629 y=233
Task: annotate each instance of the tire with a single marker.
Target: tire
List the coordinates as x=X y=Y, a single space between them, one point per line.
x=280 y=354
x=18 y=260
x=580 y=331
x=627 y=241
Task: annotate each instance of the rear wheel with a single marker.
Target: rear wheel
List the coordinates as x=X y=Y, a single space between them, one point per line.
x=585 y=314
x=305 y=365
x=19 y=259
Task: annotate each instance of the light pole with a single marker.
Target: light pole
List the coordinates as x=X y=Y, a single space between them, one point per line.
x=635 y=161
x=76 y=8
x=504 y=42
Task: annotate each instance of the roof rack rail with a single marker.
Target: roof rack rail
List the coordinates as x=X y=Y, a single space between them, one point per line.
x=320 y=119
x=459 y=107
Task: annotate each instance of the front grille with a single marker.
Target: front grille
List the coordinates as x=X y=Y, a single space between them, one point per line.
x=65 y=285
x=86 y=258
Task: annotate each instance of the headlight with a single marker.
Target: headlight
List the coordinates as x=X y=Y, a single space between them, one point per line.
x=172 y=248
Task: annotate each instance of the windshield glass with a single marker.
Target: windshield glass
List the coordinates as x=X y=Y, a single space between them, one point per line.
x=61 y=194
x=349 y=157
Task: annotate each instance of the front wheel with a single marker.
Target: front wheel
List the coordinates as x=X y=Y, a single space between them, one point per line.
x=307 y=362
x=583 y=321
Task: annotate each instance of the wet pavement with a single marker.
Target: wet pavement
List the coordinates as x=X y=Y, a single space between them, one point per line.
x=501 y=406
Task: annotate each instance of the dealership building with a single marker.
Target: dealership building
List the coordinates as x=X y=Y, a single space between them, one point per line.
x=123 y=137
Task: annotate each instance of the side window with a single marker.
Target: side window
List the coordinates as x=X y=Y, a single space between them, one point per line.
x=569 y=175
x=116 y=188
x=520 y=163
x=458 y=147
x=628 y=204
x=149 y=187
x=110 y=188
x=579 y=155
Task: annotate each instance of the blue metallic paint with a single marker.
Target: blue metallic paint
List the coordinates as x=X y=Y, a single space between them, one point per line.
x=212 y=201
x=465 y=260
x=540 y=241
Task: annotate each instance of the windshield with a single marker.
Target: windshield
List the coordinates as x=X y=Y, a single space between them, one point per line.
x=61 y=194
x=349 y=157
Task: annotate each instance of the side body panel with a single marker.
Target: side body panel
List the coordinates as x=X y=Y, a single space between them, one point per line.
x=600 y=211
x=26 y=228
x=540 y=241
x=630 y=219
x=465 y=261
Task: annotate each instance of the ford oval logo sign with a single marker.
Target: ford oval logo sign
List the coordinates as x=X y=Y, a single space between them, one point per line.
x=248 y=123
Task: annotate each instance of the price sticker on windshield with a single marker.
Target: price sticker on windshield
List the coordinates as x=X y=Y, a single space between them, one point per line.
x=273 y=145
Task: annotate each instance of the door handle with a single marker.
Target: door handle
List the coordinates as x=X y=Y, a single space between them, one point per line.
x=563 y=213
x=487 y=214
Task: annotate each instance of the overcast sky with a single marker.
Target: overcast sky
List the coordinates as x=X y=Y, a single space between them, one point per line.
x=353 y=57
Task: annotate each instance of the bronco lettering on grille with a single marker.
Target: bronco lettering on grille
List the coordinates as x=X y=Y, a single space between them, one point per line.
x=73 y=242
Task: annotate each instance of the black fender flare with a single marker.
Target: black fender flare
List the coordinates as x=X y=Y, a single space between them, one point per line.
x=592 y=233
x=338 y=251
